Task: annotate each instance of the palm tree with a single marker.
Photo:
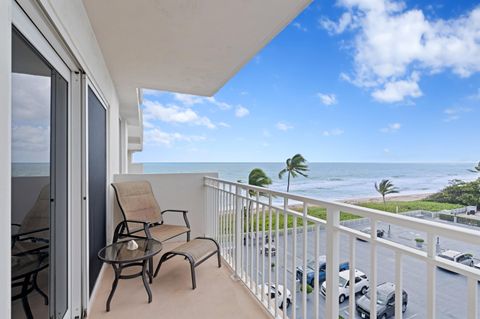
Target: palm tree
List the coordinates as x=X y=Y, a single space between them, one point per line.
x=297 y=165
x=476 y=169
x=384 y=188
x=259 y=178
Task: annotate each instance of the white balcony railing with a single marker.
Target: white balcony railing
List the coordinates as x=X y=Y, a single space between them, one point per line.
x=241 y=217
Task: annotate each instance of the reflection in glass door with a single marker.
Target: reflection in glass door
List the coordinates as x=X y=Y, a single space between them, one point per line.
x=39 y=185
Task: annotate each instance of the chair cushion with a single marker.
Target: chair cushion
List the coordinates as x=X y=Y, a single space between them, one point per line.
x=166 y=232
x=197 y=248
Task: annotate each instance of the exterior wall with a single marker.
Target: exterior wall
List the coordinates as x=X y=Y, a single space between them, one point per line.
x=176 y=191
x=70 y=20
x=5 y=102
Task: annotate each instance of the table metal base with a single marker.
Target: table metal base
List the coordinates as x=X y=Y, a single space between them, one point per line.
x=144 y=273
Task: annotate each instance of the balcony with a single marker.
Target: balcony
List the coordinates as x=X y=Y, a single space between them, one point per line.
x=216 y=295
x=248 y=221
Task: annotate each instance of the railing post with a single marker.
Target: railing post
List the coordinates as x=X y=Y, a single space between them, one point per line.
x=431 y=274
x=333 y=239
x=238 y=232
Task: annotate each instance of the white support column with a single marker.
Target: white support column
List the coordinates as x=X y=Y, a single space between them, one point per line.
x=333 y=242
x=5 y=159
x=431 y=275
x=238 y=232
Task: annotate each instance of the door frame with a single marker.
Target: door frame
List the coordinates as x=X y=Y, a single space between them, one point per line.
x=29 y=19
x=87 y=84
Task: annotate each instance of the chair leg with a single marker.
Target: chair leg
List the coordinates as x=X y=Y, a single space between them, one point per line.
x=162 y=259
x=35 y=286
x=192 y=270
x=188 y=236
x=219 y=259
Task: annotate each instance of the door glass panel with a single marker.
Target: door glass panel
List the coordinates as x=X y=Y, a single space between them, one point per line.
x=39 y=185
x=97 y=182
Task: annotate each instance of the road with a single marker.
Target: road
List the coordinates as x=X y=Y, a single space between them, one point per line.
x=451 y=289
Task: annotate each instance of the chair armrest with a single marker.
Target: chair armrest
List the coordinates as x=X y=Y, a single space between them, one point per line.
x=184 y=212
x=124 y=225
x=17 y=235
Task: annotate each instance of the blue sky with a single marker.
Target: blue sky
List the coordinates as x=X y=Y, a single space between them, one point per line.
x=348 y=81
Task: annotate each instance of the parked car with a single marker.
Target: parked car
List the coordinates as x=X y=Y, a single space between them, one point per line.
x=361 y=285
x=471 y=210
x=368 y=230
x=385 y=302
x=458 y=257
x=320 y=265
x=269 y=248
x=274 y=291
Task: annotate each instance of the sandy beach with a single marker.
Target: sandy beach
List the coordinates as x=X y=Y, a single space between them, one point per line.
x=398 y=198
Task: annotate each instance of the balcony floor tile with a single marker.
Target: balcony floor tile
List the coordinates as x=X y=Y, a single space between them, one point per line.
x=216 y=296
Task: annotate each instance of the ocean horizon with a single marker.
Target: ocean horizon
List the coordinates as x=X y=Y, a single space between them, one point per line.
x=334 y=180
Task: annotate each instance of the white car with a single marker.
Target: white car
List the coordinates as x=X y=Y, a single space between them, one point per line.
x=458 y=257
x=274 y=291
x=361 y=284
x=269 y=249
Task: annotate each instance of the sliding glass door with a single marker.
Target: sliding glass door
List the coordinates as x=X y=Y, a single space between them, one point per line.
x=39 y=184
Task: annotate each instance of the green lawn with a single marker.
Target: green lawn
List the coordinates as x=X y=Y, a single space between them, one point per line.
x=321 y=213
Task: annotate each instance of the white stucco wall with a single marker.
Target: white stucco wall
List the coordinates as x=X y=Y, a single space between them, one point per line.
x=5 y=102
x=176 y=191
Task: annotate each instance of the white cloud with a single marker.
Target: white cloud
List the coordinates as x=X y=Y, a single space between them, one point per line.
x=241 y=111
x=173 y=114
x=334 y=132
x=30 y=143
x=159 y=137
x=386 y=150
x=391 y=43
x=223 y=124
x=391 y=128
x=327 y=99
x=190 y=100
x=30 y=99
x=266 y=133
x=299 y=26
x=454 y=113
x=282 y=126
x=397 y=91
x=337 y=27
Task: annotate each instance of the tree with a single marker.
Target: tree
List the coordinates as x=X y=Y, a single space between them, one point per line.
x=476 y=169
x=259 y=178
x=385 y=187
x=297 y=165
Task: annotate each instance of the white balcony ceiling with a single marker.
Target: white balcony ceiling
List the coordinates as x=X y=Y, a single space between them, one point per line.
x=187 y=46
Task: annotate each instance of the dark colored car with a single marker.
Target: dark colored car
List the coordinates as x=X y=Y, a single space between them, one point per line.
x=368 y=230
x=321 y=265
x=385 y=302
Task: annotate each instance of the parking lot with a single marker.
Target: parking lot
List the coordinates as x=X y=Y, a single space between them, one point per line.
x=451 y=289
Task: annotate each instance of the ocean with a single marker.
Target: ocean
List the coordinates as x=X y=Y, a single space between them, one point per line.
x=337 y=181
x=328 y=181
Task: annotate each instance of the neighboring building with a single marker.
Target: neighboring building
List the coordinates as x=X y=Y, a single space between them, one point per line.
x=71 y=80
